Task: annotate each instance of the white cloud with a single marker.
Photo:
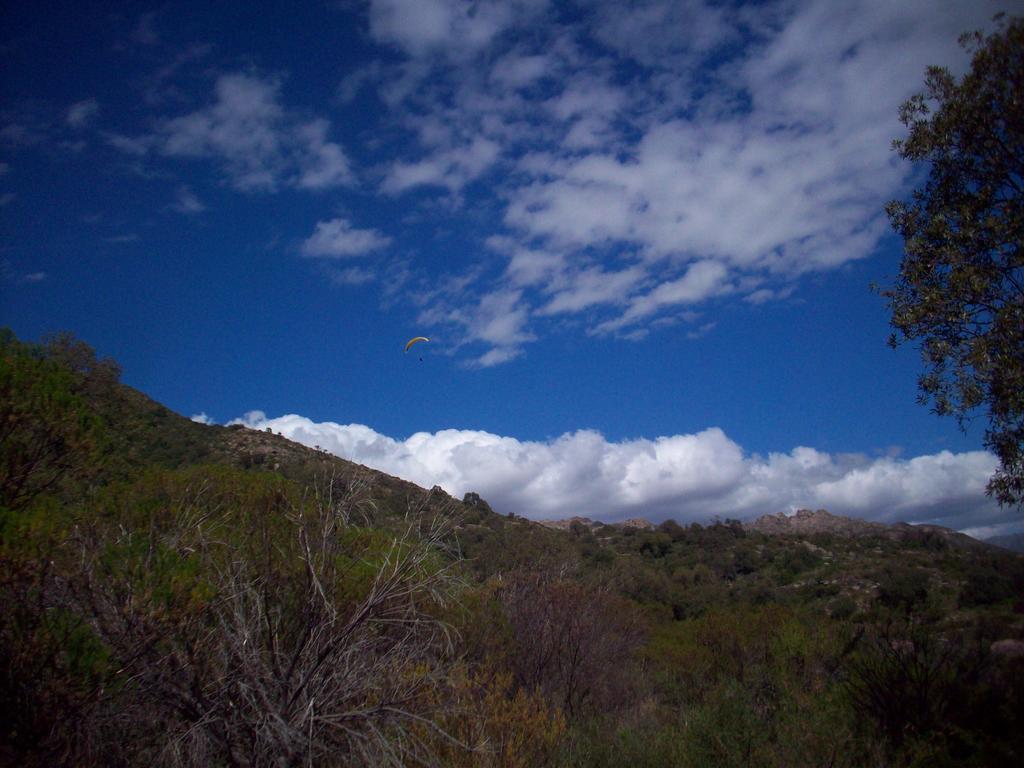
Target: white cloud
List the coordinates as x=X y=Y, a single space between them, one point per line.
x=244 y=127
x=187 y=202
x=700 y=281
x=338 y=239
x=592 y=286
x=352 y=276
x=657 y=32
x=637 y=141
x=498 y=355
x=415 y=25
x=82 y=113
x=451 y=27
x=499 y=320
x=690 y=477
x=137 y=146
x=202 y=418
x=323 y=163
x=629 y=161
x=453 y=168
x=145 y=32
x=261 y=144
x=519 y=71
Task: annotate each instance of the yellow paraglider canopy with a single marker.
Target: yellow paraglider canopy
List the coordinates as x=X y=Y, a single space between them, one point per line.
x=413 y=340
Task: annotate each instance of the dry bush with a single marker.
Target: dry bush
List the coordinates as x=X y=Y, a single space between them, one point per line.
x=573 y=643
x=260 y=630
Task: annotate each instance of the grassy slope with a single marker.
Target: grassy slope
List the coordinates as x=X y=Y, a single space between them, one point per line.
x=675 y=569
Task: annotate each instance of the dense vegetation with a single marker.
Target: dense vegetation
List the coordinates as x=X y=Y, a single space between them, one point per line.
x=180 y=594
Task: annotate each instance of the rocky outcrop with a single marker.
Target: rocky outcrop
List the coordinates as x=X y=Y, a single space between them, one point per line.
x=805 y=522
x=637 y=522
x=566 y=524
x=473 y=501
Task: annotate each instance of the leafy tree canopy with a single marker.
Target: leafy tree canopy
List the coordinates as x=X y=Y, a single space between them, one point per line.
x=960 y=290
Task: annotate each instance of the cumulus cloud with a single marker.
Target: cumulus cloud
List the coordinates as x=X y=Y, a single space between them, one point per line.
x=691 y=477
x=337 y=238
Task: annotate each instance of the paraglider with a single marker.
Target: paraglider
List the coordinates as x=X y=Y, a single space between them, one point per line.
x=414 y=340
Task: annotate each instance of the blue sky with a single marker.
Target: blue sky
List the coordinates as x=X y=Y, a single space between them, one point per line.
x=640 y=236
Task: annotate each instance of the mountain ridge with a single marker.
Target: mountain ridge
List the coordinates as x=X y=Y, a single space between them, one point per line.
x=806 y=522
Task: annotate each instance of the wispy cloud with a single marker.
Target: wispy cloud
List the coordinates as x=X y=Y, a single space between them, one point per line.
x=260 y=144
x=452 y=168
x=446 y=27
x=144 y=32
x=621 y=166
x=187 y=202
x=82 y=113
x=499 y=320
x=659 y=154
x=10 y=274
x=337 y=238
x=690 y=477
x=352 y=276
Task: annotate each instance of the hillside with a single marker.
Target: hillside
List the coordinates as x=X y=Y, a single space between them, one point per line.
x=1013 y=542
x=183 y=594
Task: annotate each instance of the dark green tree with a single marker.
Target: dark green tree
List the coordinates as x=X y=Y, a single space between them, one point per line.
x=960 y=290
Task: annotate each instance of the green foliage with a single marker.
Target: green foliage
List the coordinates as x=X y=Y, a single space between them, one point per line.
x=989 y=582
x=597 y=744
x=960 y=290
x=46 y=427
x=936 y=696
x=201 y=602
x=795 y=561
x=902 y=589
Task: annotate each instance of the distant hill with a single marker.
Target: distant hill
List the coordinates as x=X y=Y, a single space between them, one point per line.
x=807 y=522
x=586 y=522
x=1012 y=541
